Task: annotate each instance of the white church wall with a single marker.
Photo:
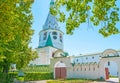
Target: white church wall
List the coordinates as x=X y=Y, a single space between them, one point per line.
x=84 y=71
x=113 y=68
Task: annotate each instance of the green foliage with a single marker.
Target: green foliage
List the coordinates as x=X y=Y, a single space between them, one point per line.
x=98 y=12
x=21 y=79
x=33 y=76
x=10 y=78
x=41 y=68
x=15 y=33
x=29 y=76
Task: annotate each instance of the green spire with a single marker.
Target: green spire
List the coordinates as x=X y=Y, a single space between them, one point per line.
x=49 y=41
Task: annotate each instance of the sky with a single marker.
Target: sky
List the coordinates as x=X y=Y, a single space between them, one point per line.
x=85 y=40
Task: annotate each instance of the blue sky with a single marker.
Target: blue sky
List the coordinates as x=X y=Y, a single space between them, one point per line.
x=85 y=39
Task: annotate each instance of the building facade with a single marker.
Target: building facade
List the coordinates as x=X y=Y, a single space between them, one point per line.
x=90 y=66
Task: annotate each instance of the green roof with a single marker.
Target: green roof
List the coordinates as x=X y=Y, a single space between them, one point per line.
x=49 y=41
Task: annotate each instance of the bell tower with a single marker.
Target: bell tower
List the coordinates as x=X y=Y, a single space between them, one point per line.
x=51 y=32
x=50 y=40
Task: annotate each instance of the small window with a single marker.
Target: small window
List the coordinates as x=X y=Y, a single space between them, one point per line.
x=60 y=40
x=61 y=61
x=55 y=27
x=45 y=36
x=93 y=57
x=98 y=66
x=86 y=58
x=85 y=69
x=108 y=63
x=39 y=38
x=94 y=69
x=54 y=33
x=89 y=68
x=49 y=26
x=60 y=37
x=53 y=54
x=54 y=37
x=77 y=60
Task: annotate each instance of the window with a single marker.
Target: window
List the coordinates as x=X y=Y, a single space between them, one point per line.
x=60 y=37
x=94 y=69
x=49 y=26
x=60 y=40
x=89 y=68
x=86 y=58
x=54 y=33
x=55 y=27
x=54 y=37
x=85 y=69
x=93 y=57
x=39 y=38
x=53 y=54
x=98 y=66
x=108 y=63
x=77 y=60
x=45 y=36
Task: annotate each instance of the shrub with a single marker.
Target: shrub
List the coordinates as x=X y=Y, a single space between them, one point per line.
x=31 y=76
x=10 y=78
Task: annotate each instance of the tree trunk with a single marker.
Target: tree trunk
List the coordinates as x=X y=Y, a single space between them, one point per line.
x=5 y=71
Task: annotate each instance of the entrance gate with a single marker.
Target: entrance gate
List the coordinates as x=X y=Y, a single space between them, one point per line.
x=60 y=70
x=107 y=73
x=60 y=73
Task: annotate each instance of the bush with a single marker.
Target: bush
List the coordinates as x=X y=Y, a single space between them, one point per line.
x=10 y=78
x=32 y=76
x=29 y=76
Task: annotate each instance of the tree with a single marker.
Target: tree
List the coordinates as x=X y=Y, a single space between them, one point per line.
x=98 y=12
x=15 y=33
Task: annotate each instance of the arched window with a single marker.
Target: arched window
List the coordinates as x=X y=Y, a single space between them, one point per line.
x=54 y=37
x=60 y=37
x=108 y=63
x=54 y=33
x=45 y=36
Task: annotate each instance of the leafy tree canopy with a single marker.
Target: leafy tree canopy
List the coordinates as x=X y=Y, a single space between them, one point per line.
x=98 y=12
x=15 y=33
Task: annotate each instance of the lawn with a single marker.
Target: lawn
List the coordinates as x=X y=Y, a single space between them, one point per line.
x=70 y=81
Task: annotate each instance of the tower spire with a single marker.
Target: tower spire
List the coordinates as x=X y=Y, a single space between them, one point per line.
x=51 y=21
x=52 y=2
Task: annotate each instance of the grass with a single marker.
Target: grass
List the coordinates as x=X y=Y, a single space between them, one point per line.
x=70 y=81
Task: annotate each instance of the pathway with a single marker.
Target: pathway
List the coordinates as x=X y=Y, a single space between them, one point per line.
x=111 y=80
